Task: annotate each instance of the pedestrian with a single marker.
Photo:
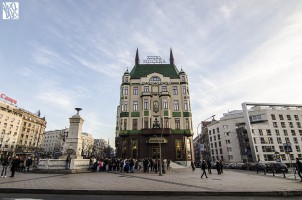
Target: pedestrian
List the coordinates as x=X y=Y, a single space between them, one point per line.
x=209 y=166
x=132 y=165
x=168 y=164
x=203 y=168
x=68 y=161
x=218 y=167
x=28 y=163
x=13 y=166
x=299 y=168
x=5 y=164
x=192 y=165
x=221 y=166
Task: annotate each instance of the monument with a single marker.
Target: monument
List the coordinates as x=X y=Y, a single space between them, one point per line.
x=73 y=143
x=72 y=147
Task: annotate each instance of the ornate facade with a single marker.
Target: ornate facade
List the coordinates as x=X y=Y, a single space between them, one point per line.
x=154 y=109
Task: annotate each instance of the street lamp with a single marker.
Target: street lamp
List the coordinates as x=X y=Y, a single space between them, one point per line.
x=161 y=139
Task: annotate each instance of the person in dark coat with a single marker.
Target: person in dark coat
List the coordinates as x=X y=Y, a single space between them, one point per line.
x=203 y=168
x=13 y=166
x=209 y=166
x=221 y=166
x=29 y=162
x=218 y=167
x=193 y=165
x=68 y=161
x=5 y=164
x=299 y=168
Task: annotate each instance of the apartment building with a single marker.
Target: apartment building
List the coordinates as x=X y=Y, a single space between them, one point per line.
x=260 y=132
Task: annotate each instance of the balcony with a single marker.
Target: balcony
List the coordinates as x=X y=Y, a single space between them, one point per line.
x=157 y=131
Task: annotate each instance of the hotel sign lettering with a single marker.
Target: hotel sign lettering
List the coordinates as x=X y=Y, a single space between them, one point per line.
x=154 y=60
x=157 y=140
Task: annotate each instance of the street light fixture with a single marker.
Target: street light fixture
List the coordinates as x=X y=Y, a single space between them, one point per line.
x=160 y=141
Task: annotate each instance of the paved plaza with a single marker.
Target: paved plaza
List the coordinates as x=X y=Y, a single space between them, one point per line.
x=176 y=181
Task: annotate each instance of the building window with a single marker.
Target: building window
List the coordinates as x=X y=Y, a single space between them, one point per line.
x=146 y=122
x=290 y=124
x=295 y=140
x=218 y=136
x=183 y=78
x=135 y=106
x=187 y=123
x=146 y=104
x=125 y=124
x=285 y=132
x=178 y=149
x=135 y=90
x=298 y=149
x=175 y=91
x=293 y=132
x=176 y=105
x=277 y=132
x=164 y=88
x=134 y=124
x=186 y=105
x=281 y=117
x=279 y=140
x=126 y=90
x=165 y=103
x=126 y=79
x=177 y=123
x=273 y=117
x=298 y=124
x=296 y=117
x=125 y=106
x=260 y=132
x=146 y=88
x=184 y=89
x=229 y=149
x=288 y=117
x=282 y=124
x=275 y=124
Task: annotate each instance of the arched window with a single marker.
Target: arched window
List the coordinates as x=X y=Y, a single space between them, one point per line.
x=154 y=78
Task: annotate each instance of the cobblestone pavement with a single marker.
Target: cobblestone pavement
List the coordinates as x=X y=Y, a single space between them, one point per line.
x=175 y=180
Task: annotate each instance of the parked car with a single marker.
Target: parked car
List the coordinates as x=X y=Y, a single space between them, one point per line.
x=257 y=166
x=278 y=167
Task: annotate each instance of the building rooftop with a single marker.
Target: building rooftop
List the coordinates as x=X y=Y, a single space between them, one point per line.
x=142 y=70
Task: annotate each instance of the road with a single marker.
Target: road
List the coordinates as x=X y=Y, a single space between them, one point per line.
x=4 y=196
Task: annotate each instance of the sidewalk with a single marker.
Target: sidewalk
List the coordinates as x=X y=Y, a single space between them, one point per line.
x=175 y=182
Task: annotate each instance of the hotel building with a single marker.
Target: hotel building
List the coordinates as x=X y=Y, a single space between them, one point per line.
x=154 y=109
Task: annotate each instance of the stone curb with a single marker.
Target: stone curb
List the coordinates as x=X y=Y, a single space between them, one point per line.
x=152 y=193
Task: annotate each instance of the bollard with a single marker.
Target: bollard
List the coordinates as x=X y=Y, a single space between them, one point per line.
x=264 y=171
x=273 y=172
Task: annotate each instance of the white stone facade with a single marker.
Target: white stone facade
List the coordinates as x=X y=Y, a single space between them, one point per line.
x=269 y=128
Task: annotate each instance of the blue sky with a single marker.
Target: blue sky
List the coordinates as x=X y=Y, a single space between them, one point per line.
x=64 y=54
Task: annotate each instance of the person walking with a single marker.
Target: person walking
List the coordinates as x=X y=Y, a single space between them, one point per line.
x=28 y=163
x=221 y=166
x=299 y=168
x=5 y=164
x=209 y=166
x=218 y=167
x=192 y=165
x=68 y=160
x=203 y=168
x=14 y=165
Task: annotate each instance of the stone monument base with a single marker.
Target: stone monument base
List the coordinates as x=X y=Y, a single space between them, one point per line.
x=58 y=166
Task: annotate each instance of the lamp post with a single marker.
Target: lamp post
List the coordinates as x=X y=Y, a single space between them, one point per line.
x=161 y=138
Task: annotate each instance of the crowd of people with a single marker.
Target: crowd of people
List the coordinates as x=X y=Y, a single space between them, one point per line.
x=15 y=163
x=127 y=165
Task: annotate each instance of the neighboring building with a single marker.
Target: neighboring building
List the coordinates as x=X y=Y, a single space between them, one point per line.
x=265 y=132
x=21 y=130
x=87 y=144
x=54 y=141
x=10 y=126
x=154 y=101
